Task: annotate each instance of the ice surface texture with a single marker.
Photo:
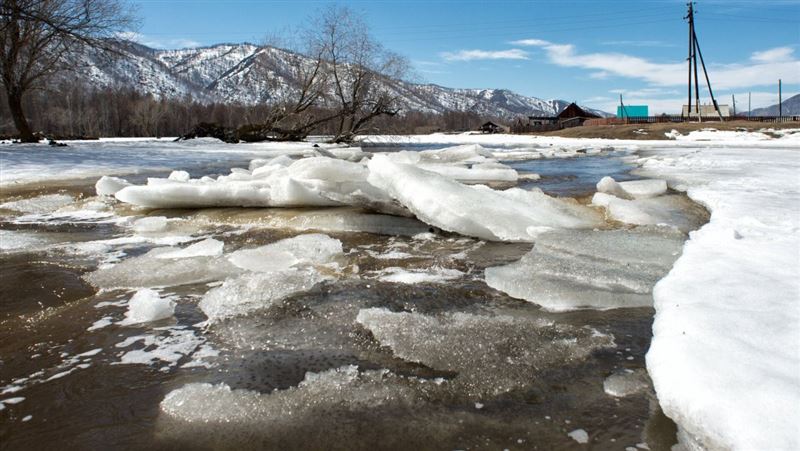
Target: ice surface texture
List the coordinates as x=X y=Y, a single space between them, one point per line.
x=568 y=270
x=146 y=305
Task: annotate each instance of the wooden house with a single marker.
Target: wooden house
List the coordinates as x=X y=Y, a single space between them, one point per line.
x=491 y=127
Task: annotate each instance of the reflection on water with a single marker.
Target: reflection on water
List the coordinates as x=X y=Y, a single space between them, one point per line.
x=61 y=349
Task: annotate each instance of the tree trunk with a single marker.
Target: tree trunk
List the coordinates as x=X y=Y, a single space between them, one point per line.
x=15 y=105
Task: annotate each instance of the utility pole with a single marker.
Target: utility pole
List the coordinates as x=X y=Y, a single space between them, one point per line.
x=694 y=52
x=780 y=106
x=733 y=99
x=749 y=109
x=622 y=108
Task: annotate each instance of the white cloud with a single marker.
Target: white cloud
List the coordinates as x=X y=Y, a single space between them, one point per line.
x=763 y=69
x=775 y=55
x=531 y=42
x=472 y=55
x=156 y=43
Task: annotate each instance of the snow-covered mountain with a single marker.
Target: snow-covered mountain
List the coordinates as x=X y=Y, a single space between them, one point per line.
x=235 y=73
x=789 y=107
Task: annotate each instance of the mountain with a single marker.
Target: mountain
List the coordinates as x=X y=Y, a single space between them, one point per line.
x=789 y=107
x=234 y=73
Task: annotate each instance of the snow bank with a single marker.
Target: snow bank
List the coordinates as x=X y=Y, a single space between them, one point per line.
x=724 y=359
x=479 y=211
x=568 y=270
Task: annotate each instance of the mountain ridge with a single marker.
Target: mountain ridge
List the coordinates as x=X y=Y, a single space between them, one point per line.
x=227 y=73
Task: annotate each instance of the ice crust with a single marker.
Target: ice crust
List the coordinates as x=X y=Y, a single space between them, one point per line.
x=479 y=211
x=209 y=247
x=668 y=210
x=624 y=384
x=569 y=270
x=146 y=305
x=635 y=189
x=491 y=354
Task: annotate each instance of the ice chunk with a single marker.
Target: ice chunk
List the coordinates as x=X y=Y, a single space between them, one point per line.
x=146 y=306
x=206 y=248
x=148 y=271
x=608 y=185
x=432 y=275
x=251 y=292
x=643 y=189
x=314 y=248
x=168 y=345
x=491 y=354
x=108 y=186
x=580 y=436
x=179 y=176
x=41 y=204
x=150 y=224
x=569 y=270
x=218 y=416
x=626 y=383
x=670 y=210
x=512 y=215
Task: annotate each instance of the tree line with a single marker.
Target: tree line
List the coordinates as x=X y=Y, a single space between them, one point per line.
x=70 y=110
x=340 y=79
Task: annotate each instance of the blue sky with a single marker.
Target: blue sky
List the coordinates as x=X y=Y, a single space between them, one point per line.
x=585 y=51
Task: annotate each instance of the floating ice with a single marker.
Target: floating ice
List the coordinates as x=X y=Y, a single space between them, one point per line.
x=568 y=270
x=149 y=270
x=206 y=248
x=511 y=215
x=312 y=248
x=108 y=186
x=626 y=383
x=492 y=354
x=636 y=189
x=670 y=210
x=250 y=292
x=41 y=204
x=168 y=346
x=431 y=275
x=146 y=305
x=580 y=436
x=222 y=416
x=150 y=224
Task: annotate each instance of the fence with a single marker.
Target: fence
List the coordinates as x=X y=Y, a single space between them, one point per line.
x=677 y=118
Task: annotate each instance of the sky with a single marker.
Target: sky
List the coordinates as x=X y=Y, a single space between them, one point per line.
x=586 y=51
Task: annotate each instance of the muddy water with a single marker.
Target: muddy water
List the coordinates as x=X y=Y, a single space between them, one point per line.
x=78 y=395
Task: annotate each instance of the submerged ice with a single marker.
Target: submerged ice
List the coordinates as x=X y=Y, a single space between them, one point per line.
x=568 y=270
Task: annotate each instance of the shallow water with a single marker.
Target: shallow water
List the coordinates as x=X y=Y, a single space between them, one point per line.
x=504 y=385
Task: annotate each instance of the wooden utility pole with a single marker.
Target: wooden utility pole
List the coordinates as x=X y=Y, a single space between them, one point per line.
x=780 y=102
x=733 y=100
x=622 y=108
x=694 y=52
x=749 y=109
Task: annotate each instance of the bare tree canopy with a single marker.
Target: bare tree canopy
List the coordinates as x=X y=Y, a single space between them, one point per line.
x=344 y=76
x=40 y=37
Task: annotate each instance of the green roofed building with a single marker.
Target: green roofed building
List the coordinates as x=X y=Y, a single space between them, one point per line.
x=632 y=111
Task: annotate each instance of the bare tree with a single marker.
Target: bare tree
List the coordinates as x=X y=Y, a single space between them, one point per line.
x=39 y=38
x=360 y=70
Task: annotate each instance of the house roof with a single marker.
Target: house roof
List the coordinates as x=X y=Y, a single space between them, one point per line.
x=573 y=110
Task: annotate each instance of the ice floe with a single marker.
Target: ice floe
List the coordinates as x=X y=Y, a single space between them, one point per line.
x=147 y=305
x=568 y=270
x=479 y=211
x=491 y=354
x=41 y=204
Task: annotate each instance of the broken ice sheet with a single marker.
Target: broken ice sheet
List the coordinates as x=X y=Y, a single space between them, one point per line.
x=491 y=354
x=569 y=270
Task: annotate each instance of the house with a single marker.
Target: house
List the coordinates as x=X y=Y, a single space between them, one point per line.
x=491 y=127
x=571 y=116
x=627 y=111
x=706 y=111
